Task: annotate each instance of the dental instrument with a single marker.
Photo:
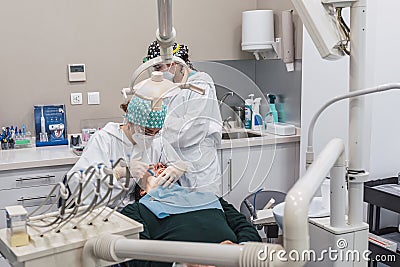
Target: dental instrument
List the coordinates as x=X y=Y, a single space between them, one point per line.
x=251 y=208
x=151 y=172
x=269 y=204
x=94 y=203
x=121 y=195
x=59 y=220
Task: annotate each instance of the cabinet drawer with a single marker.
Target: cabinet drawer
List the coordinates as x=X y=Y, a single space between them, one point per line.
x=32 y=177
x=26 y=197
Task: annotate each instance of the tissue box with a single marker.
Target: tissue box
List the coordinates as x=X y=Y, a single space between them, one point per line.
x=280 y=128
x=16 y=226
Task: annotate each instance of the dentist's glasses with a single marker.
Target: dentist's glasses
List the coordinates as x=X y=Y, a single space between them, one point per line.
x=146 y=131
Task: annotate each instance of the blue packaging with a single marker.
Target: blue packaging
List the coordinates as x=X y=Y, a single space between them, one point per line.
x=50 y=125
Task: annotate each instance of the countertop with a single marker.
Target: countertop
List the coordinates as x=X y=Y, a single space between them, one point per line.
x=63 y=155
x=36 y=157
x=264 y=139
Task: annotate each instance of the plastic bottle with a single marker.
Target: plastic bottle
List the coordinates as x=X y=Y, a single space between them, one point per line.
x=23 y=131
x=272 y=107
x=257 y=122
x=248 y=111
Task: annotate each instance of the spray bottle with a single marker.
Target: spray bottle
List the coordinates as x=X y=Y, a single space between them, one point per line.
x=257 y=122
x=272 y=115
x=248 y=111
x=272 y=107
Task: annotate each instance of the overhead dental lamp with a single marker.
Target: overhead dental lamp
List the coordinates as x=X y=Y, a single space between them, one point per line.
x=156 y=87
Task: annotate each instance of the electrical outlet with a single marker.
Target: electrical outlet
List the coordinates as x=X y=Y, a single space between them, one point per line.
x=76 y=99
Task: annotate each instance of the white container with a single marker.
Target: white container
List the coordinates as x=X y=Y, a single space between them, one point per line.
x=280 y=128
x=257 y=30
x=248 y=111
x=256 y=119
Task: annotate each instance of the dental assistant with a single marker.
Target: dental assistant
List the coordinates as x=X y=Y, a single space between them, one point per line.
x=193 y=125
x=115 y=141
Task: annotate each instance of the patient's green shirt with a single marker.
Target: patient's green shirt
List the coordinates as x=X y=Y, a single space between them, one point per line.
x=210 y=225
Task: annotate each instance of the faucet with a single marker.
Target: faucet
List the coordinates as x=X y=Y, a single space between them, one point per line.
x=225 y=123
x=230 y=93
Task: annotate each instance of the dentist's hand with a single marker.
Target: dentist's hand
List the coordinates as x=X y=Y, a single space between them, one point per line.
x=138 y=168
x=172 y=174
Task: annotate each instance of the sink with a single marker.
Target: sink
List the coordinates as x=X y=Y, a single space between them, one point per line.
x=238 y=135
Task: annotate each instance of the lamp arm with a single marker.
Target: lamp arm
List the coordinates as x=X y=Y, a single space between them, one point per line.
x=376 y=89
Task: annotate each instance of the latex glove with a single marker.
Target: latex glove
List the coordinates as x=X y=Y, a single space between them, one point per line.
x=171 y=174
x=119 y=172
x=138 y=168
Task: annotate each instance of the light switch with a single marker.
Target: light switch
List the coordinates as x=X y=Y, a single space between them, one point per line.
x=76 y=98
x=93 y=98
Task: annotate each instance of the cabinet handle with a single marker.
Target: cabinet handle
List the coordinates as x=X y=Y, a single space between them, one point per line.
x=48 y=176
x=230 y=175
x=22 y=199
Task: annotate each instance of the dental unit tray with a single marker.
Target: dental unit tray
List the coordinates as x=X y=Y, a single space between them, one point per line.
x=263 y=217
x=68 y=243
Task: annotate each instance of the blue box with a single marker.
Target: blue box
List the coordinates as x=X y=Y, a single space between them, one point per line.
x=50 y=125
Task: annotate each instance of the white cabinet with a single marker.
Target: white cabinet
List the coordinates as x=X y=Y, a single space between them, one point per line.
x=247 y=169
x=28 y=187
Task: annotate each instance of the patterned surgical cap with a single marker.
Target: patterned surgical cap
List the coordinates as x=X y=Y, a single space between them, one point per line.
x=140 y=113
x=179 y=50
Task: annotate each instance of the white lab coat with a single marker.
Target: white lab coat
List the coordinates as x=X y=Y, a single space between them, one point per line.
x=109 y=143
x=193 y=126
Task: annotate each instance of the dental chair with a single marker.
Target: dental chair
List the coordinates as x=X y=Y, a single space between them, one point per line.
x=257 y=201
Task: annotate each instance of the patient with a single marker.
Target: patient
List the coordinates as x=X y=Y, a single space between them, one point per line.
x=178 y=215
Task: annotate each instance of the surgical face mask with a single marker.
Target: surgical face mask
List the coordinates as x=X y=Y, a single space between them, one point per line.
x=142 y=141
x=168 y=76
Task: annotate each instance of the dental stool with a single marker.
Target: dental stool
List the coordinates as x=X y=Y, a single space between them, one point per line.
x=256 y=202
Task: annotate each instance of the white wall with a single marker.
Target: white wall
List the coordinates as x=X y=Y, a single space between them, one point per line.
x=323 y=80
x=383 y=46
x=384 y=68
x=39 y=38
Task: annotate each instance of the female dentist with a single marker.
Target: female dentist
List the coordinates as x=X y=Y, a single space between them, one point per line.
x=115 y=141
x=193 y=126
